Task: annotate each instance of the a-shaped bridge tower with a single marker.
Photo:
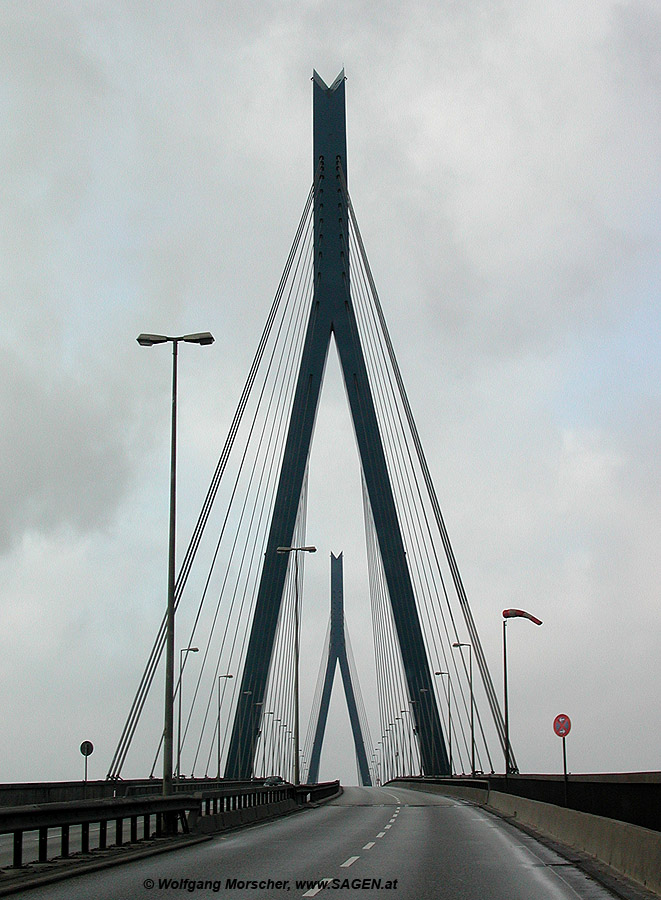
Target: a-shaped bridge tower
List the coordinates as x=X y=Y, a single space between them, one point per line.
x=337 y=656
x=332 y=313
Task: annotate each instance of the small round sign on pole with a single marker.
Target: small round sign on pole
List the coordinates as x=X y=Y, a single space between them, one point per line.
x=562 y=727
x=86 y=748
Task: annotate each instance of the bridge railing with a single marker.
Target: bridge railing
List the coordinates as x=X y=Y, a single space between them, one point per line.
x=150 y=811
x=44 y=818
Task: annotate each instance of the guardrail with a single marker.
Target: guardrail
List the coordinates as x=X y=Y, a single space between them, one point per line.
x=230 y=803
x=62 y=816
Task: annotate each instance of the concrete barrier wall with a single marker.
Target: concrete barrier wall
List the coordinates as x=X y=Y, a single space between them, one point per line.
x=629 y=849
x=633 y=851
x=463 y=792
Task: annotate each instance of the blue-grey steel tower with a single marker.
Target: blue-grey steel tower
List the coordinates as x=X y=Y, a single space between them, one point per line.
x=337 y=656
x=332 y=313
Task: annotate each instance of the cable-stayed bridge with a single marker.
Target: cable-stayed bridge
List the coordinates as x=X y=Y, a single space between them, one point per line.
x=411 y=827
x=241 y=597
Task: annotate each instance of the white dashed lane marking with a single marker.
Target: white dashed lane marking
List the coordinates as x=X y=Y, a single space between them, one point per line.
x=349 y=862
x=368 y=846
x=314 y=891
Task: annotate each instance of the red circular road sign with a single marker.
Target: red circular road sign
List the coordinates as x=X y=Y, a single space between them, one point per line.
x=562 y=725
x=87 y=748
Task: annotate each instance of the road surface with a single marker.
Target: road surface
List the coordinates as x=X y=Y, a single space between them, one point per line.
x=369 y=843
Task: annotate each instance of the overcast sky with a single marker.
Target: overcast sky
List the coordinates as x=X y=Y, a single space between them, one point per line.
x=504 y=167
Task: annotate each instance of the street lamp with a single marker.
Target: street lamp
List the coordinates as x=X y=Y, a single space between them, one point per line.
x=511 y=614
x=296 y=551
x=268 y=713
x=183 y=653
x=148 y=340
x=220 y=677
x=416 y=731
x=470 y=680
x=256 y=722
x=449 y=717
x=407 y=713
x=252 y=763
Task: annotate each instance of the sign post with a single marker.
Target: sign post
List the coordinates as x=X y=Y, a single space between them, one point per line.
x=562 y=727
x=86 y=748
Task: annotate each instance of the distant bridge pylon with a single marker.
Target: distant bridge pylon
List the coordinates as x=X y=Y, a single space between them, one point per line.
x=336 y=656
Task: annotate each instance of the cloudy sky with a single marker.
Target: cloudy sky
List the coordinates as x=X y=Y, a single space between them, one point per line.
x=504 y=168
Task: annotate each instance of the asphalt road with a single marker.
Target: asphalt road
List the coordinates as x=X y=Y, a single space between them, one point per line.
x=369 y=843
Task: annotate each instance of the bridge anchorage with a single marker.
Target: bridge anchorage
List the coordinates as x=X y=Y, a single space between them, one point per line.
x=239 y=608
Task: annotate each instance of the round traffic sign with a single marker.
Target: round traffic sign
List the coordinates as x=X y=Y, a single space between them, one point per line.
x=87 y=748
x=562 y=725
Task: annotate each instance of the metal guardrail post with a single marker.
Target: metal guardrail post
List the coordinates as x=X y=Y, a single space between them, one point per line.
x=18 y=850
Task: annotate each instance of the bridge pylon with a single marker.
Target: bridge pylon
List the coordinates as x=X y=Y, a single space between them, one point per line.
x=332 y=314
x=337 y=656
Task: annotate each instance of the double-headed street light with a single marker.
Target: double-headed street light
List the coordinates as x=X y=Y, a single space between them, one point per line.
x=459 y=644
x=510 y=614
x=148 y=340
x=296 y=551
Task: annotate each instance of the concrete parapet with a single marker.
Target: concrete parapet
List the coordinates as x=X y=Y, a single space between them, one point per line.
x=629 y=849
x=478 y=794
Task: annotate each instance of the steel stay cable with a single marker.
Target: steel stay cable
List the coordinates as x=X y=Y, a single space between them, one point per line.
x=286 y=345
x=268 y=498
x=392 y=436
x=274 y=436
x=135 y=711
x=414 y=531
x=486 y=678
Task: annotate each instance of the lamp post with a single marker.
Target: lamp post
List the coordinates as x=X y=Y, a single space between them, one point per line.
x=407 y=713
x=183 y=653
x=422 y=724
x=459 y=644
x=510 y=614
x=296 y=551
x=220 y=677
x=449 y=717
x=268 y=713
x=275 y=743
x=148 y=340
x=256 y=722
x=416 y=731
x=252 y=762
